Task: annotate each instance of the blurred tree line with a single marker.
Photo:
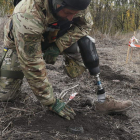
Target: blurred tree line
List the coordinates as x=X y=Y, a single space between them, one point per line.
x=6 y=7
x=109 y=16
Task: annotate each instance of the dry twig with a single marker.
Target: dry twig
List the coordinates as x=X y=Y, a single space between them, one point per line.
x=19 y=109
x=9 y=124
x=64 y=92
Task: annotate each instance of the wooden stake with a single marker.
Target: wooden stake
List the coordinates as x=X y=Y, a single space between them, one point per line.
x=127 y=54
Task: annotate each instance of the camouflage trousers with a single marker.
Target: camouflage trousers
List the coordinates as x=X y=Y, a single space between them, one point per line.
x=10 y=87
x=73 y=61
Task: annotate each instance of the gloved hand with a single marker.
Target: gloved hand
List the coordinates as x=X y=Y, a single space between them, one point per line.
x=60 y=108
x=51 y=54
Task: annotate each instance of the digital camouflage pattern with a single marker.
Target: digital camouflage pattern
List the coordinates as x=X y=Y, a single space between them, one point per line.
x=29 y=23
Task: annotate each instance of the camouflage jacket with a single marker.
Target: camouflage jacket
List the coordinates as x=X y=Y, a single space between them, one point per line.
x=29 y=23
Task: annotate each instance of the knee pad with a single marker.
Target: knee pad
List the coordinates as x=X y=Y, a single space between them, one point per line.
x=89 y=54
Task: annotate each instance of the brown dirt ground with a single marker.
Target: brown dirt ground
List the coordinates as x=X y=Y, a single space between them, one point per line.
x=26 y=119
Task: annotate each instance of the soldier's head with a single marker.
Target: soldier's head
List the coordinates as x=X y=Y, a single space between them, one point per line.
x=67 y=9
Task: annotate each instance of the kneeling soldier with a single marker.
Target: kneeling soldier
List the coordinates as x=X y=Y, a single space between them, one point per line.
x=50 y=27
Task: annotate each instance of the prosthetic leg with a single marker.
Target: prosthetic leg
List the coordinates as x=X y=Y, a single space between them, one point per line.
x=91 y=60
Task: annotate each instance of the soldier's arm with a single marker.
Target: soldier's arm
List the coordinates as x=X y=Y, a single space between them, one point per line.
x=82 y=26
x=28 y=34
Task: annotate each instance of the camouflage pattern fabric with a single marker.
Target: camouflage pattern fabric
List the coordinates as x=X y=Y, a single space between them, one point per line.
x=8 y=43
x=73 y=66
x=10 y=88
x=29 y=23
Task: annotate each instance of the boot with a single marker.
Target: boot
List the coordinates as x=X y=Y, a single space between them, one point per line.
x=111 y=105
